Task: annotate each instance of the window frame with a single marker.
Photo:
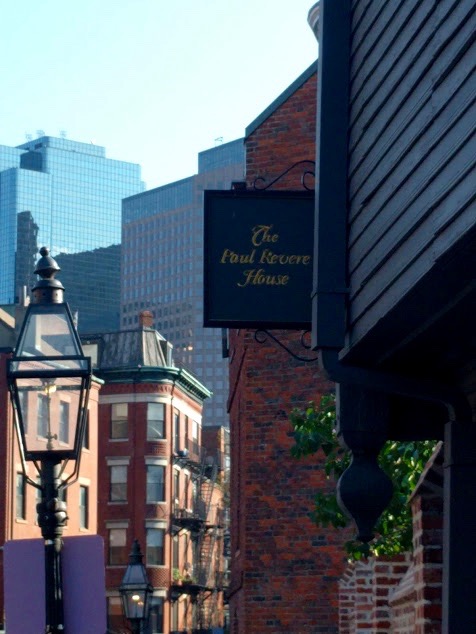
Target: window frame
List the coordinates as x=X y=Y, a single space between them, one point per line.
x=156 y=615
x=83 y=506
x=155 y=552
x=119 y=427
x=152 y=484
x=155 y=426
x=42 y=416
x=63 y=430
x=117 y=555
x=118 y=486
x=20 y=496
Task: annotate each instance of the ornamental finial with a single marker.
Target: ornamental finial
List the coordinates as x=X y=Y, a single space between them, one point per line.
x=47 y=290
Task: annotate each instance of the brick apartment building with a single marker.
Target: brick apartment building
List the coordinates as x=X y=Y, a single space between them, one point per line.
x=161 y=480
x=285 y=570
x=147 y=472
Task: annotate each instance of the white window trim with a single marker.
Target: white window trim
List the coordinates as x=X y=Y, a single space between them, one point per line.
x=156 y=524
x=118 y=461
x=152 y=460
x=117 y=524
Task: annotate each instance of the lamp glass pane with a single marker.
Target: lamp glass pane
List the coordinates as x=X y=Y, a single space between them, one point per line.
x=134 y=604
x=52 y=407
x=48 y=331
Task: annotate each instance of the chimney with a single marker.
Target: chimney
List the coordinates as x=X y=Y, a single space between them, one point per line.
x=146 y=319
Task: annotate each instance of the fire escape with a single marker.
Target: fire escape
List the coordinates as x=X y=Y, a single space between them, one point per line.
x=203 y=526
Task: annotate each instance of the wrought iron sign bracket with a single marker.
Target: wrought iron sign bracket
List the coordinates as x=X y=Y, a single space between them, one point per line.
x=259 y=182
x=262 y=335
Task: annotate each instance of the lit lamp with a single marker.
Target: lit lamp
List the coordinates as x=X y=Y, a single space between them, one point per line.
x=49 y=380
x=135 y=590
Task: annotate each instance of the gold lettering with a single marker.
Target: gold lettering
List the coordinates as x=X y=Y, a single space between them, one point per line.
x=259 y=277
x=268 y=257
x=261 y=233
x=231 y=257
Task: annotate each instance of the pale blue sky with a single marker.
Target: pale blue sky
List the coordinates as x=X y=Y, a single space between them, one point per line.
x=154 y=81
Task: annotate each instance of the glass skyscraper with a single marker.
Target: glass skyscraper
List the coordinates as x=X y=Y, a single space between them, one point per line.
x=162 y=268
x=66 y=195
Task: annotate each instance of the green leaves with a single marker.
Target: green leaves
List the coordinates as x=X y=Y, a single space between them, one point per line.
x=314 y=431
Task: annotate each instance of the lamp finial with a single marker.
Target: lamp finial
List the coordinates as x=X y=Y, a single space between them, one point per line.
x=47 y=290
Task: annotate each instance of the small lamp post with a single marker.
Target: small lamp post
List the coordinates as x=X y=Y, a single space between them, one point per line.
x=135 y=590
x=49 y=380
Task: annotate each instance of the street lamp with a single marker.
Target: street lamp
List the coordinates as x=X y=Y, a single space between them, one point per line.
x=135 y=590
x=49 y=380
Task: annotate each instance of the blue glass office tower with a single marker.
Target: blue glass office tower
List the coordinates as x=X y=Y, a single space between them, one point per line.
x=66 y=195
x=162 y=268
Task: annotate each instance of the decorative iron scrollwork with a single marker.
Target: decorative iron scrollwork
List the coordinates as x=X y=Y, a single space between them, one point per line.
x=262 y=335
x=306 y=173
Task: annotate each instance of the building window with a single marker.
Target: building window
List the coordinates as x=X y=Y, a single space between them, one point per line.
x=119 y=421
x=177 y=485
x=64 y=422
x=23 y=396
x=21 y=497
x=155 y=421
x=115 y=615
x=175 y=615
x=175 y=552
x=155 y=546
x=155 y=484
x=156 y=615
x=186 y=430
x=83 y=507
x=86 y=432
x=177 y=446
x=118 y=488
x=117 y=546
x=195 y=438
x=42 y=415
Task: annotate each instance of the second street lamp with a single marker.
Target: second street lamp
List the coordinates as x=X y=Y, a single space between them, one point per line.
x=135 y=590
x=49 y=380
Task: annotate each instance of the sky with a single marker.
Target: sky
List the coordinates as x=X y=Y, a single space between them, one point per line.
x=153 y=81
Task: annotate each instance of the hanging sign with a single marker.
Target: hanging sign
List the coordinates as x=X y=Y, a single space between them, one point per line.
x=258 y=259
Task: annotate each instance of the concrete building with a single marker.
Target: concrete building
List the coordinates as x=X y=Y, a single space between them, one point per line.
x=66 y=195
x=162 y=262
x=161 y=480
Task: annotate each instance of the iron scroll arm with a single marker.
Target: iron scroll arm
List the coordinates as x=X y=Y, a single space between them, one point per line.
x=306 y=172
x=261 y=335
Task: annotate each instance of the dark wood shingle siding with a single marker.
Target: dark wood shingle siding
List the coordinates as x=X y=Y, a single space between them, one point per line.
x=412 y=143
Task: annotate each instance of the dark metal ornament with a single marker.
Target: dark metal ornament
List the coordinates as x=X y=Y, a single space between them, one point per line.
x=259 y=182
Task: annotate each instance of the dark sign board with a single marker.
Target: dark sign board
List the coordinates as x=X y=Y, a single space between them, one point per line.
x=258 y=259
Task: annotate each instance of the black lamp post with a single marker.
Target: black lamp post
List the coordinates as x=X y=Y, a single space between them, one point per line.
x=135 y=590
x=49 y=380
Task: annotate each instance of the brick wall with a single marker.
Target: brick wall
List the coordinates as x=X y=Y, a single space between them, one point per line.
x=285 y=570
x=402 y=595
x=365 y=593
x=427 y=511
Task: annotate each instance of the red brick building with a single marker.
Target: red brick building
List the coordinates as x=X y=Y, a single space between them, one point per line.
x=158 y=483
x=285 y=570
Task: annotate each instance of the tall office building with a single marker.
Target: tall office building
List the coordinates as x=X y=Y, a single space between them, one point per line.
x=66 y=195
x=162 y=268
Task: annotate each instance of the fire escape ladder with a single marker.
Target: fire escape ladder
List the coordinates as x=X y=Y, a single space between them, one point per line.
x=205 y=547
